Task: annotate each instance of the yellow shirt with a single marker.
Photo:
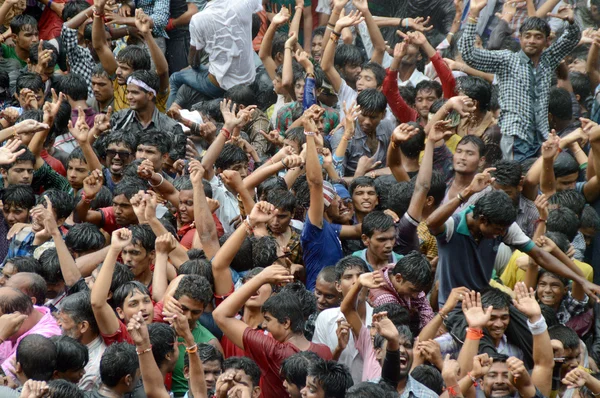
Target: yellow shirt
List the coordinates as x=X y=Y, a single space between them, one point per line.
x=513 y=274
x=122 y=103
x=450 y=144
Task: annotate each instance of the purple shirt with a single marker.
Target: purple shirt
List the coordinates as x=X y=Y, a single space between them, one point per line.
x=90 y=115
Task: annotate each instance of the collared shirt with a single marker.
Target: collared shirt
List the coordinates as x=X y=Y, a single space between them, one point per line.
x=80 y=58
x=228 y=209
x=570 y=307
x=414 y=389
x=127 y=120
x=91 y=379
x=21 y=245
x=158 y=11
x=93 y=103
x=515 y=82
x=394 y=257
x=357 y=147
x=223 y=30
x=527 y=216
x=414 y=79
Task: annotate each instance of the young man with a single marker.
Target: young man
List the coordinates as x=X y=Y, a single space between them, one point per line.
x=287 y=236
x=523 y=117
x=239 y=374
x=379 y=236
x=119 y=371
x=76 y=90
x=155 y=147
x=102 y=88
x=294 y=370
x=364 y=196
x=25 y=34
x=139 y=255
x=20 y=171
x=327 y=379
x=17 y=201
x=325 y=289
x=120 y=151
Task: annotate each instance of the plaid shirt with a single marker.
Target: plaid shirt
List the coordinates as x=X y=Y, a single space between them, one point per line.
x=158 y=11
x=21 y=245
x=570 y=307
x=285 y=117
x=520 y=82
x=417 y=390
x=80 y=59
x=46 y=178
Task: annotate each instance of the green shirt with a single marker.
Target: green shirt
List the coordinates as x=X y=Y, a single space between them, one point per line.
x=180 y=383
x=10 y=52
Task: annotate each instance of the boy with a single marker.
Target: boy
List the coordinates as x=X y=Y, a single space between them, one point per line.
x=17 y=201
x=379 y=236
x=364 y=196
x=120 y=148
x=327 y=379
x=25 y=34
x=19 y=172
x=155 y=147
x=139 y=254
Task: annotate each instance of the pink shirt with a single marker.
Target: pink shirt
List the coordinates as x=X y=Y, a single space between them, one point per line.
x=371 y=366
x=46 y=327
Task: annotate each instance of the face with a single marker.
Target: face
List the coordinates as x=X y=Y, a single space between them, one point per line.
x=299 y=90
x=533 y=42
x=423 y=102
x=312 y=389
x=366 y=79
x=241 y=168
x=466 y=159
x=134 y=303
x=138 y=99
x=368 y=123
x=192 y=309
x=103 y=88
x=137 y=259
x=498 y=323
x=406 y=356
x=316 y=48
x=277 y=86
x=124 y=214
x=212 y=371
x=280 y=223
x=405 y=288
x=20 y=174
x=513 y=192
x=381 y=243
x=292 y=389
x=54 y=289
x=348 y=278
x=496 y=383
x=186 y=206
x=123 y=72
x=578 y=65
x=8 y=271
x=491 y=231
x=72 y=376
x=118 y=155
x=588 y=234
x=77 y=170
x=68 y=326
x=326 y=294
x=27 y=36
x=566 y=182
x=351 y=73
x=571 y=356
x=364 y=199
x=550 y=290
x=152 y=154
x=293 y=145
x=346 y=212
x=413 y=55
x=242 y=379
x=272 y=325
x=15 y=214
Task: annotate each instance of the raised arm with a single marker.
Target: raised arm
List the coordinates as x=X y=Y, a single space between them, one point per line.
x=107 y=59
x=5 y=8
x=307 y=26
x=164 y=245
x=401 y=134
x=143 y=24
x=314 y=176
x=81 y=132
x=91 y=186
x=266 y=46
x=350 y=302
x=399 y=107
x=205 y=224
x=431 y=329
x=374 y=31
x=592 y=66
x=37 y=142
x=233 y=180
x=477 y=318
x=549 y=152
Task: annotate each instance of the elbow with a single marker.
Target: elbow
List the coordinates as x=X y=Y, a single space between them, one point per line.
x=96 y=302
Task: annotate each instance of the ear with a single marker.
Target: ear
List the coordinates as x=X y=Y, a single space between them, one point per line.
x=128 y=380
x=482 y=162
x=33 y=300
x=398 y=278
x=120 y=313
x=429 y=201
x=256 y=392
x=365 y=240
x=83 y=327
x=578 y=97
x=287 y=324
x=338 y=287
x=186 y=372
x=152 y=255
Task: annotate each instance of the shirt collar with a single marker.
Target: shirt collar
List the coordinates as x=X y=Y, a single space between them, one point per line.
x=524 y=58
x=463 y=228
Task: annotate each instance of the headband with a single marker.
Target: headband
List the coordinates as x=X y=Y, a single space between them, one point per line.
x=140 y=83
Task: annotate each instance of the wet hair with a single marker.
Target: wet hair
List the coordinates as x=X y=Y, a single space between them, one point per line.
x=570 y=199
x=347 y=55
x=129 y=187
x=74 y=7
x=136 y=57
x=368 y=389
x=429 y=376
x=562 y=280
x=62 y=202
x=349 y=262
x=362 y=181
x=296 y=134
x=241 y=94
x=328 y=274
x=162 y=339
x=26 y=156
x=295 y=367
x=582 y=85
x=495 y=298
x=286 y=307
x=507 y=173
x=414 y=268
x=78 y=307
x=333 y=377
x=33 y=53
x=535 y=23
x=371 y=102
x=247 y=365
x=229 y=156
x=19 y=22
x=264 y=251
x=271 y=184
x=496 y=207
x=121 y=276
x=207 y=353
x=560 y=239
x=17 y=302
x=590 y=218
x=36 y=287
x=412 y=147
x=195 y=287
x=399 y=196
x=63 y=389
x=240 y=261
x=198 y=266
x=70 y=353
x=118 y=361
x=84 y=237
x=29 y=80
x=473 y=139
x=183 y=183
x=74 y=86
x=150 y=78
x=563 y=220
x=378 y=71
x=319 y=31
x=437 y=189
x=395 y=313
x=37 y=356
x=122 y=137
x=560 y=104
x=127 y=289
x=307 y=299
x=50 y=269
x=549 y=314
x=142 y=235
x=477 y=89
x=409 y=93
x=567 y=336
x=284 y=200
x=376 y=221
x=565 y=164
x=21 y=196
x=430 y=85
x=158 y=139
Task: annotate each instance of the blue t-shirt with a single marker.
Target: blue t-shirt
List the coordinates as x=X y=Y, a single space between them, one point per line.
x=321 y=248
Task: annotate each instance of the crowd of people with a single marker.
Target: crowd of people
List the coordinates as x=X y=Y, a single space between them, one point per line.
x=296 y=198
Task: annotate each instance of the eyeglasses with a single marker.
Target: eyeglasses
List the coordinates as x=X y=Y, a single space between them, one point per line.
x=122 y=154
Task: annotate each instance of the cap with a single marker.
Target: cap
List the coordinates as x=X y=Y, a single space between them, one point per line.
x=328 y=193
x=342 y=191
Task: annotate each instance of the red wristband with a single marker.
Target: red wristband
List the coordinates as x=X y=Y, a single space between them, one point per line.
x=474 y=334
x=170 y=25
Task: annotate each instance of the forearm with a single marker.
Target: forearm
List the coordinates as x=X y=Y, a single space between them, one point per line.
x=287 y=72
x=331 y=172
x=468 y=351
x=308 y=27
x=267 y=43
x=88 y=263
x=153 y=379
x=593 y=66
x=159 y=277
x=224 y=257
x=160 y=62
x=213 y=151
x=399 y=107
x=295 y=21
x=376 y=37
x=90 y=156
x=100 y=45
x=78 y=19
x=333 y=18
x=261 y=174
x=394 y=162
x=445 y=74
x=81 y=211
x=435 y=222
x=562 y=266
x=547 y=179
x=205 y=224
x=101 y=286
x=164 y=188
x=186 y=17
x=68 y=268
x=4 y=9
x=230 y=307
x=197 y=381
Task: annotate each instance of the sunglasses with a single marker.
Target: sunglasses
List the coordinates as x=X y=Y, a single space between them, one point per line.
x=122 y=154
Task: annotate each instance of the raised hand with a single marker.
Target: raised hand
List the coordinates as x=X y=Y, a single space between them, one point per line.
x=232 y=179
x=276 y=274
x=419 y=24
x=541 y=203
x=361 y=5
x=196 y=173
x=145 y=170
x=440 y=131
x=576 y=378
x=262 y=212
x=481 y=365
x=302 y=57
x=12 y=114
x=291 y=41
x=28 y=99
x=139 y=206
x=151 y=204
x=34 y=389
x=517 y=368
x=293 y=161
x=165 y=243
x=565 y=13
x=142 y=22
x=120 y=239
x=138 y=330
x=282 y=17
x=343 y=333
x=476 y=317
x=550 y=146
x=371 y=280
x=403 y=133
x=477 y=6
x=81 y=129
x=47 y=217
x=385 y=327
x=457 y=295
x=482 y=180
x=366 y=164
x=526 y=302
x=228 y=110
x=92 y=184
x=546 y=244
x=400 y=49
x=51 y=108
x=431 y=352
x=352 y=19
x=450 y=368
x=102 y=121
x=273 y=137
x=10 y=152
x=417 y=38
x=462 y=104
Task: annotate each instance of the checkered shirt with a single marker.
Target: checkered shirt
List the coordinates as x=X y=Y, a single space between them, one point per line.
x=80 y=59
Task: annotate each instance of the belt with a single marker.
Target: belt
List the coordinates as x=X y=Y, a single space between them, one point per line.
x=213 y=80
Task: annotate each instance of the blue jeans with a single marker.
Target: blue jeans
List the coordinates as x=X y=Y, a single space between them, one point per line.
x=514 y=148
x=196 y=79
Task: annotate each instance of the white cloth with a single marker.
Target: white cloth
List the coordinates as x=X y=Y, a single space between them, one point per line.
x=91 y=379
x=413 y=80
x=348 y=95
x=229 y=207
x=224 y=30
x=325 y=328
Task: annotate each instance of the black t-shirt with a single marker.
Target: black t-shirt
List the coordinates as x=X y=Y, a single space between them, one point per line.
x=177 y=9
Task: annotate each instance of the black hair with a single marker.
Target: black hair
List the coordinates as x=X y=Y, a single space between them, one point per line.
x=84 y=237
x=283 y=307
x=473 y=139
x=149 y=77
x=549 y=314
x=33 y=53
x=563 y=220
x=349 y=262
x=477 y=89
x=565 y=164
x=412 y=147
x=229 y=156
x=507 y=173
x=29 y=80
x=561 y=240
x=20 y=21
x=17 y=302
x=158 y=139
x=21 y=196
x=62 y=202
x=376 y=221
x=307 y=299
x=121 y=276
x=74 y=7
x=582 y=85
x=395 y=313
x=567 y=336
x=25 y=264
x=347 y=54
x=590 y=218
x=183 y=183
x=562 y=280
x=37 y=356
x=264 y=251
x=247 y=365
x=271 y=184
x=63 y=389
x=77 y=154
x=136 y=57
x=118 y=361
x=333 y=377
x=296 y=134
x=496 y=207
x=560 y=104
x=495 y=298
x=535 y=23
x=378 y=71
x=142 y=234
x=437 y=188
x=70 y=353
x=430 y=85
x=207 y=353
x=366 y=389
x=50 y=269
x=240 y=261
x=36 y=287
x=129 y=187
x=193 y=254
x=74 y=86
x=328 y=274
x=362 y=181
x=162 y=339
x=198 y=266
x=284 y=200
x=409 y=93
x=195 y=287
x=26 y=156
x=319 y=31
x=241 y=94
x=256 y=24
x=570 y=199
x=399 y=196
x=126 y=289
x=122 y=136
x=371 y=102
x=429 y=376
x=78 y=307
x=414 y=268
x=295 y=368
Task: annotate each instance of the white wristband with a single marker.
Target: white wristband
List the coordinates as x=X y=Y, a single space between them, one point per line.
x=537 y=327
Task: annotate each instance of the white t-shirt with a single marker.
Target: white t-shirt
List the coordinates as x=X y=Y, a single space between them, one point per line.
x=224 y=30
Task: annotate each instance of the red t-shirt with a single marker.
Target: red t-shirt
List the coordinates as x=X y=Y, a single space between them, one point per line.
x=110 y=222
x=121 y=335
x=268 y=354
